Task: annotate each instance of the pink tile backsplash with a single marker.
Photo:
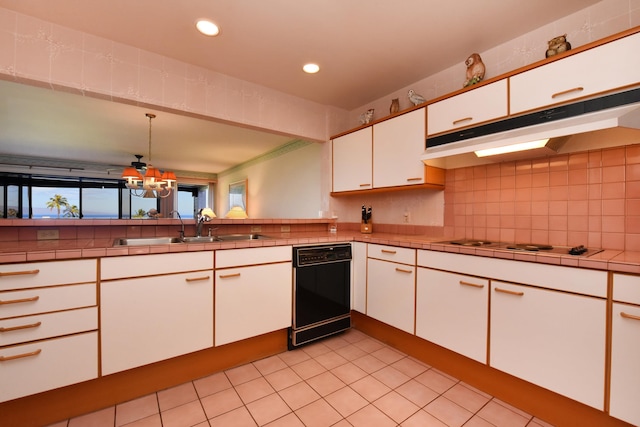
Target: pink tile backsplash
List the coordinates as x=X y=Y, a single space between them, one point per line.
x=588 y=198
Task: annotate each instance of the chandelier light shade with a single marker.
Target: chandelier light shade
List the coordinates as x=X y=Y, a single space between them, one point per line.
x=154 y=183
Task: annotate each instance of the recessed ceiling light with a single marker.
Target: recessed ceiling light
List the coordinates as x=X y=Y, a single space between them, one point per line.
x=207 y=28
x=311 y=68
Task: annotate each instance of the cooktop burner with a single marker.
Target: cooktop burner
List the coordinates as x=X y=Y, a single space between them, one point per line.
x=580 y=250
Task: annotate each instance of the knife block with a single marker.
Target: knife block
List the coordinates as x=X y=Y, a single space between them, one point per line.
x=366 y=228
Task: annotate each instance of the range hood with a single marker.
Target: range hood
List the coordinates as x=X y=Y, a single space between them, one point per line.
x=617 y=110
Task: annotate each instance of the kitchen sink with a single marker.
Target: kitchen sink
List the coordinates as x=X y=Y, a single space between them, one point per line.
x=200 y=239
x=142 y=241
x=232 y=237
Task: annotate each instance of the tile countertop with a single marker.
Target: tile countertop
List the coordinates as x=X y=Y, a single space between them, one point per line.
x=42 y=250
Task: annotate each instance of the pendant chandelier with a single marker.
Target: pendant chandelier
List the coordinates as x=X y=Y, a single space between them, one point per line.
x=153 y=184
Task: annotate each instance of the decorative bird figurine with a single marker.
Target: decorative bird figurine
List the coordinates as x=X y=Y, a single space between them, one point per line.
x=415 y=98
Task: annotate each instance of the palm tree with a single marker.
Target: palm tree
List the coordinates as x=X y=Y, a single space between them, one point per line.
x=140 y=214
x=71 y=211
x=56 y=202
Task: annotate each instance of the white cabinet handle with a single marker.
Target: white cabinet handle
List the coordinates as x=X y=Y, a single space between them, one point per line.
x=457 y=122
x=629 y=316
x=387 y=251
x=474 y=285
x=402 y=270
x=365 y=185
x=227 y=276
x=414 y=179
x=20 y=356
x=15 y=328
x=565 y=92
x=196 y=279
x=17 y=301
x=507 y=291
x=18 y=273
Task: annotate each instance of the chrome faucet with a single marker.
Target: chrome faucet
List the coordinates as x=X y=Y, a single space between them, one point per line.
x=181 y=223
x=202 y=218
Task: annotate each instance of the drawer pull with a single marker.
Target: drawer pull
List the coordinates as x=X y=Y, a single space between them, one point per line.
x=227 y=276
x=414 y=179
x=365 y=185
x=565 y=92
x=196 y=279
x=20 y=356
x=15 y=328
x=629 y=316
x=507 y=291
x=17 y=301
x=18 y=273
x=457 y=122
x=387 y=251
x=402 y=270
x=474 y=285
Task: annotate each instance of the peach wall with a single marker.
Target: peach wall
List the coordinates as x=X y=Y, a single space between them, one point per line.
x=44 y=54
x=590 y=198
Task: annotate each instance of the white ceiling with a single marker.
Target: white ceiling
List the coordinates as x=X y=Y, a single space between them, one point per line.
x=365 y=48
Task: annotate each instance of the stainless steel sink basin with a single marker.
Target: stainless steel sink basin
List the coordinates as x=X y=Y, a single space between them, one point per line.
x=201 y=239
x=232 y=237
x=141 y=241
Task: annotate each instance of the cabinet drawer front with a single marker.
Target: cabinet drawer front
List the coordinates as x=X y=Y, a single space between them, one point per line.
x=469 y=108
x=608 y=67
x=253 y=256
x=36 y=274
x=42 y=326
x=626 y=288
x=150 y=265
x=392 y=253
x=44 y=300
x=571 y=279
x=46 y=365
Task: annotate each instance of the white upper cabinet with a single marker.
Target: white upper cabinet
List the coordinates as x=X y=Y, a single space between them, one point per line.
x=397 y=146
x=601 y=69
x=480 y=105
x=352 y=160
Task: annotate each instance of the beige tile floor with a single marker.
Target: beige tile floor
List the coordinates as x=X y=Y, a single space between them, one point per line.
x=347 y=380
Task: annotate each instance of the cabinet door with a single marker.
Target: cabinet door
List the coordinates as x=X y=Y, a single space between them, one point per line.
x=625 y=366
x=359 y=277
x=251 y=301
x=397 y=146
x=553 y=339
x=452 y=311
x=149 y=319
x=594 y=71
x=352 y=157
x=476 y=106
x=391 y=293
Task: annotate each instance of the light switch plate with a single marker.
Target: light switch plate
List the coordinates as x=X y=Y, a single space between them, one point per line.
x=48 y=234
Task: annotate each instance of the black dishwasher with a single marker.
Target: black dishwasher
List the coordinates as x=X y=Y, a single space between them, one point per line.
x=321 y=292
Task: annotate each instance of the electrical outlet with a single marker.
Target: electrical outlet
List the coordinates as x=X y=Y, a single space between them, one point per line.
x=48 y=235
x=285 y=228
x=407 y=218
x=256 y=229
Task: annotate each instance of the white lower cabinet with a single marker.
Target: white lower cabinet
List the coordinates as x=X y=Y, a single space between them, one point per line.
x=452 y=311
x=391 y=293
x=32 y=368
x=554 y=339
x=359 y=277
x=625 y=349
x=148 y=319
x=252 y=299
